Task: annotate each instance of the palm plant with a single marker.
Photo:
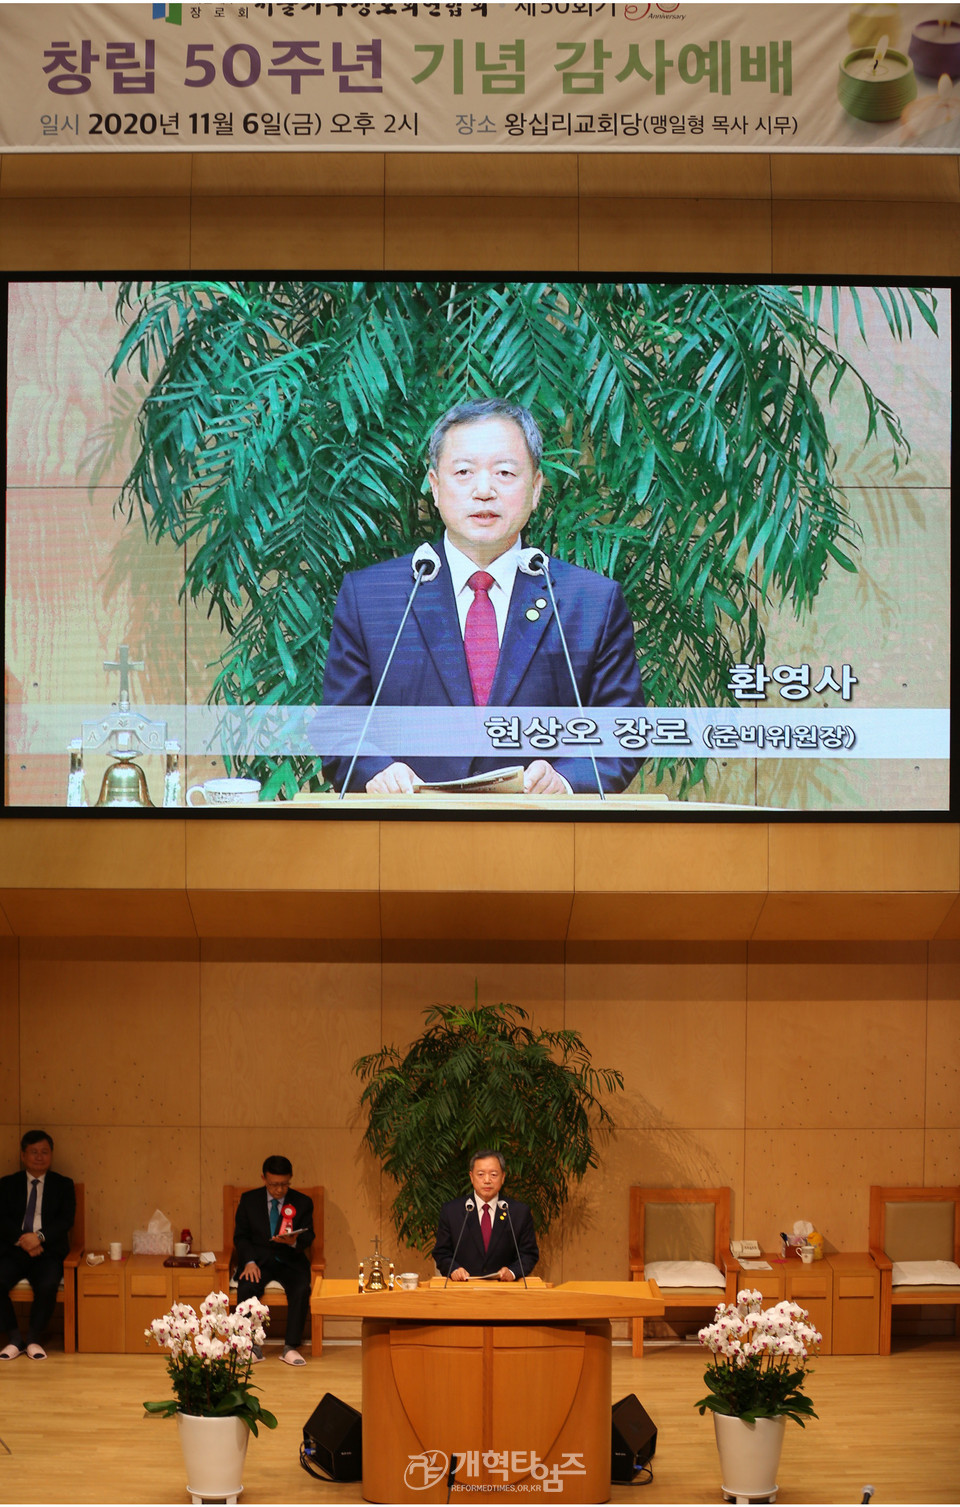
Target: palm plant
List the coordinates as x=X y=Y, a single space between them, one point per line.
x=476 y=1078
x=688 y=453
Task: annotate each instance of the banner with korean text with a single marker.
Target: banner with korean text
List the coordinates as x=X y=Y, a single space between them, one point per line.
x=392 y=77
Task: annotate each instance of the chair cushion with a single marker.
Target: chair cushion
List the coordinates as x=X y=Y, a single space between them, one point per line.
x=270 y=1287
x=684 y=1274
x=25 y=1285
x=926 y=1274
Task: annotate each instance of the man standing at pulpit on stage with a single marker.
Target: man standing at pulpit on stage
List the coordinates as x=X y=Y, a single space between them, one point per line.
x=37 y=1210
x=484 y=1234
x=481 y=629
x=272 y=1231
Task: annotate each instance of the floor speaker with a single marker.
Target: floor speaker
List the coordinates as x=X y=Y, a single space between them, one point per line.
x=634 y=1438
x=332 y=1439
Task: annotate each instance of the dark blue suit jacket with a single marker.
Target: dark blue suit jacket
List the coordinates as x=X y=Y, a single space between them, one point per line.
x=430 y=666
x=470 y=1254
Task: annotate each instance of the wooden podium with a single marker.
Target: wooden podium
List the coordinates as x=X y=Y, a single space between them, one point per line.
x=515 y=1382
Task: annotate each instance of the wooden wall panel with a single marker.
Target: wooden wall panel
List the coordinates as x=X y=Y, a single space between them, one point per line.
x=467 y=234
x=482 y=175
x=281 y=855
x=94 y=233
x=470 y=856
x=278 y=1041
x=667 y=1154
x=675 y=917
x=98 y=175
x=292 y=231
x=865 y=857
x=686 y=175
x=269 y=174
x=657 y=857
x=128 y=1172
x=114 y=1034
x=853 y=179
x=942 y=1089
x=823 y=1175
x=941 y=1157
x=9 y=1031
x=836 y=1036
x=642 y=1017
x=699 y=235
x=864 y=239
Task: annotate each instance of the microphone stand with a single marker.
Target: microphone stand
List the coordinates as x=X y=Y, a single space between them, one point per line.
x=536 y=564
x=426 y=565
x=469 y=1208
x=502 y=1204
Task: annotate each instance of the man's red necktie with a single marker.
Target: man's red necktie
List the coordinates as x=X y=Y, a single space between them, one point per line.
x=480 y=638
x=485 y=1226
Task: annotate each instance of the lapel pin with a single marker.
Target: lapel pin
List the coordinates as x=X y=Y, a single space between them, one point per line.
x=532 y=615
x=540 y=602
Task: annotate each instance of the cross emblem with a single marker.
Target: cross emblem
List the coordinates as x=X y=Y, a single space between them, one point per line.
x=124 y=664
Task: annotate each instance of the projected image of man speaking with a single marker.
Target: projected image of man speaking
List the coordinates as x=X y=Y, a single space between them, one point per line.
x=481 y=629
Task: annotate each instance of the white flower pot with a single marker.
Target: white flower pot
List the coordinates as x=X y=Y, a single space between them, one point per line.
x=214 y=1450
x=749 y=1456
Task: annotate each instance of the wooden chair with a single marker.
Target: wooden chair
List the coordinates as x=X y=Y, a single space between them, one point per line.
x=67 y=1294
x=913 y=1224
x=682 y=1224
x=274 y=1295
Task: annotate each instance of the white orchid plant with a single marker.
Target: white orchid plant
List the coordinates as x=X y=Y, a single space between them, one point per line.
x=211 y=1359
x=759 y=1359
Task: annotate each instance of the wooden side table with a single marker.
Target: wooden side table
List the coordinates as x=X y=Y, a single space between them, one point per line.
x=856 y=1303
x=812 y=1287
x=100 y=1307
x=809 y=1285
x=151 y=1289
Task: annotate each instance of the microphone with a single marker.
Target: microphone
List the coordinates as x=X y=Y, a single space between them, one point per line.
x=426 y=565
x=468 y=1209
x=505 y=1207
x=867 y=1494
x=533 y=562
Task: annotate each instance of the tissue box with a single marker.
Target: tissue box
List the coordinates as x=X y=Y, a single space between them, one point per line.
x=149 y=1243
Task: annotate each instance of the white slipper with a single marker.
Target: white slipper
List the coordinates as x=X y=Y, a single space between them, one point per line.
x=36 y=1352
x=10 y=1352
x=293 y=1357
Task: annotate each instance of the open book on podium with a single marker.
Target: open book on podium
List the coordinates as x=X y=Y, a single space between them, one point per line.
x=507 y=781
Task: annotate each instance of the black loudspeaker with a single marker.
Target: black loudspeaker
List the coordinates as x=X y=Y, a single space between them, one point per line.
x=634 y=1438
x=332 y=1439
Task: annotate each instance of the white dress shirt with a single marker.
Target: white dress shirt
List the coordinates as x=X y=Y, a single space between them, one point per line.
x=504 y=572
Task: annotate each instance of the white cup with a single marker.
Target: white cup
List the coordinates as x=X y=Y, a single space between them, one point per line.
x=225 y=792
x=408 y=1281
x=806 y=1254
x=116 y=1250
x=181 y=1248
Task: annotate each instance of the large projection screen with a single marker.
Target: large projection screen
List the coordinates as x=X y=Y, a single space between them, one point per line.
x=215 y=487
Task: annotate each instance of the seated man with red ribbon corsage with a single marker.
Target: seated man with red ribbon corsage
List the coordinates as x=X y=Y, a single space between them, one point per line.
x=273 y=1231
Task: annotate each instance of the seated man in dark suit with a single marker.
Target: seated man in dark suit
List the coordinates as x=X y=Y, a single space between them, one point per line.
x=476 y=1231
x=37 y=1209
x=264 y=1254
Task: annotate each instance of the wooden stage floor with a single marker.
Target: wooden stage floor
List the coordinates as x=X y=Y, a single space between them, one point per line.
x=75 y=1430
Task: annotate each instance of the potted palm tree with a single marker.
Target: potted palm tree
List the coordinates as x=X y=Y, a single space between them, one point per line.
x=475 y=1077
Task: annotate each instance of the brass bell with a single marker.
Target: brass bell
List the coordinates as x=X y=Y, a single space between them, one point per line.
x=124 y=784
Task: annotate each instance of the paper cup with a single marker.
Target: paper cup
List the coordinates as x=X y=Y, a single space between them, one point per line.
x=116 y=1250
